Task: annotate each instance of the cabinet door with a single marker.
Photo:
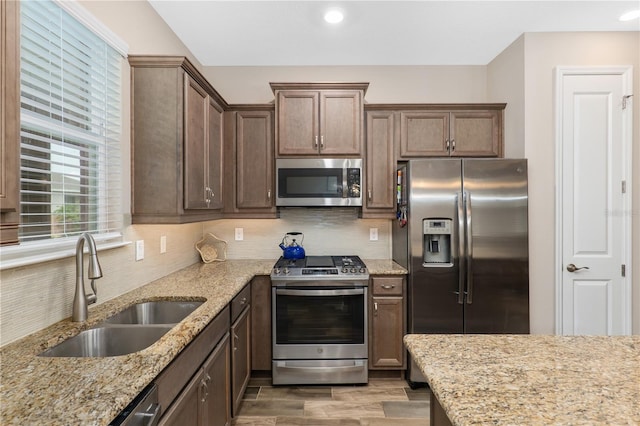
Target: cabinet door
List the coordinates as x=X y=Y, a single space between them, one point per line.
x=10 y=119
x=380 y=191
x=214 y=155
x=240 y=358
x=261 y=323
x=298 y=127
x=254 y=161
x=423 y=134
x=217 y=370
x=341 y=122
x=186 y=410
x=196 y=162
x=476 y=133
x=387 y=324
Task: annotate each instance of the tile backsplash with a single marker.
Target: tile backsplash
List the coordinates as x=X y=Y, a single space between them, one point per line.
x=326 y=231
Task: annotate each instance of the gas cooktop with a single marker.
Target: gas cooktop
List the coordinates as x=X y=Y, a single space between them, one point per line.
x=324 y=267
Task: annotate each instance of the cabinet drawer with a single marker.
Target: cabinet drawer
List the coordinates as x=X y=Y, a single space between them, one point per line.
x=387 y=286
x=240 y=302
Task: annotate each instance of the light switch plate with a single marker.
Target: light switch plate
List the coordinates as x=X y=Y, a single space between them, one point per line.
x=373 y=234
x=239 y=234
x=139 y=250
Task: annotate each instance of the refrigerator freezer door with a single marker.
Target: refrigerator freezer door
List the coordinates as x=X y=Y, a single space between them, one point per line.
x=433 y=289
x=497 y=241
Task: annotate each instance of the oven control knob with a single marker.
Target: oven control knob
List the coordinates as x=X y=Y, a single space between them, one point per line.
x=276 y=271
x=363 y=270
x=285 y=271
x=352 y=270
x=345 y=269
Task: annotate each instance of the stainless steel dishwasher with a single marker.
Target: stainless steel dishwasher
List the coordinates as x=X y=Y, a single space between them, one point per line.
x=144 y=410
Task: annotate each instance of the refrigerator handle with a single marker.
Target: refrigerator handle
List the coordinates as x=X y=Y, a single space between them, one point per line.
x=469 y=239
x=461 y=248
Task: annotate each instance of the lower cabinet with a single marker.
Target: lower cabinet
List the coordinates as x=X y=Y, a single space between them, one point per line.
x=195 y=389
x=241 y=347
x=206 y=399
x=387 y=323
x=261 y=324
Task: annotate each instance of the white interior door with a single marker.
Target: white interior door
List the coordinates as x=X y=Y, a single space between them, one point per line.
x=594 y=194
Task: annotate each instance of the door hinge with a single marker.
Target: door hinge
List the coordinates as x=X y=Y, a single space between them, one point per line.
x=624 y=186
x=624 y=101
x=623 y=270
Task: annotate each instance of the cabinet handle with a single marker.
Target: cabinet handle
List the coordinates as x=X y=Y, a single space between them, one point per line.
x=375 y=309
x=269 y=195
x=235 y=337
x=447 y=144
x=204 y=392
x=243 y=300
x=315 y=144
x=453 y=145
x=369 y=191
x=322 y=142
x=388 y=287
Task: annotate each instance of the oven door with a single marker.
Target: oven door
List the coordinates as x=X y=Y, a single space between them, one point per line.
x=319 y=323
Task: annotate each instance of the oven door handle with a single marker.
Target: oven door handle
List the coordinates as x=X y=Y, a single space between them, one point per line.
x=322 y=292
x=356 y=366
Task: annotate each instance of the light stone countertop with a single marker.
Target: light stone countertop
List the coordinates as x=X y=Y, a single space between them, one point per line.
x=532 y=379
x=93 y=391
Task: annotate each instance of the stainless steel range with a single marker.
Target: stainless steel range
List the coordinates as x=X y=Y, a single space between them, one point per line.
x=319 y=317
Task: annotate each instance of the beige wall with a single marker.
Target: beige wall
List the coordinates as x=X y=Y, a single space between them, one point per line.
x=543 y=52
x=387 y=84
x=505 y=83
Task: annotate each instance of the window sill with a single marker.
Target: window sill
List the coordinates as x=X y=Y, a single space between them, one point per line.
x=40 y=252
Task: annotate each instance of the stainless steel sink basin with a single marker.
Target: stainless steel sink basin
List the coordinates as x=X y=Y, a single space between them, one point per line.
x=108 y=341
x=157 y=312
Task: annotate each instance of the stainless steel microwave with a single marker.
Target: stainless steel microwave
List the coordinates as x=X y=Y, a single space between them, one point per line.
x=318 y=182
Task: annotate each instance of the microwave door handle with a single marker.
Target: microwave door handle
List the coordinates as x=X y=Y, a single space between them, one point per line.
x=345 y=188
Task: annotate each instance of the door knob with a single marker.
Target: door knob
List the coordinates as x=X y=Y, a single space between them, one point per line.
x=572 y=268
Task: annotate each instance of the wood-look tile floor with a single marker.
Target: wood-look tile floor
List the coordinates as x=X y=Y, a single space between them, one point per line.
x=380 y=403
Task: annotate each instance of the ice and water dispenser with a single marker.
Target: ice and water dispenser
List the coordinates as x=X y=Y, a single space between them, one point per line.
x=436 y=240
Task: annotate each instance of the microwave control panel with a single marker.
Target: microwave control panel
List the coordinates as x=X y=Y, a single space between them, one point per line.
x=353 y=182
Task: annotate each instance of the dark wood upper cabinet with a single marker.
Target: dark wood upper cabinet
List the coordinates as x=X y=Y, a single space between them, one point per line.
x=319 y=118
x=249 y=163
x=380 y=201
x=10 y=121
x=459 y=130
x=176 y=142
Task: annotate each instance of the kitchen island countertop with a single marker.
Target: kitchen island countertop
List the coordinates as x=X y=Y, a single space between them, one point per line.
x=93 y=391
x=532 y=379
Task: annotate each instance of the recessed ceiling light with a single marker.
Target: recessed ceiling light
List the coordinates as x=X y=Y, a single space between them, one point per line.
x=633 y=14
x=333 y=16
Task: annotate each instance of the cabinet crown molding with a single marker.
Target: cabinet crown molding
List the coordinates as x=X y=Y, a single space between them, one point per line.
x=321 y=85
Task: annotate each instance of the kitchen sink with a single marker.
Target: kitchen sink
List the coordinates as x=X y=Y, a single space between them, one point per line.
x=157 y=312
x=108 y=341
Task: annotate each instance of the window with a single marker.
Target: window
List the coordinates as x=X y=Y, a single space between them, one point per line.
x=70 y=171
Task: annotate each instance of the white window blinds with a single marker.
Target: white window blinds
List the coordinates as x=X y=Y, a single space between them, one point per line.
x=70 y=127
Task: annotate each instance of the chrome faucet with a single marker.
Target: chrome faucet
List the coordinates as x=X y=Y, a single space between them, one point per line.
x=81 y=300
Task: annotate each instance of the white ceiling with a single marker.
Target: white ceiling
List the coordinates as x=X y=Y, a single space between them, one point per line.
x=251 y=33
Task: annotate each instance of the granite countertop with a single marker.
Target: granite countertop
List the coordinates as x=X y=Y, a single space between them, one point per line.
x=532 y=379
x=93 y=391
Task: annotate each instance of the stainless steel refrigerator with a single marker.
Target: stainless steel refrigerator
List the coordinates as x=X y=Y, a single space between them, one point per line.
x=463 y=235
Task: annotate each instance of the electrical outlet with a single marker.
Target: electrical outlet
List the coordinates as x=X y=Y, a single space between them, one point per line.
x=139 y=250
x=239 y=234
x=373 y=234
x=163 y=244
